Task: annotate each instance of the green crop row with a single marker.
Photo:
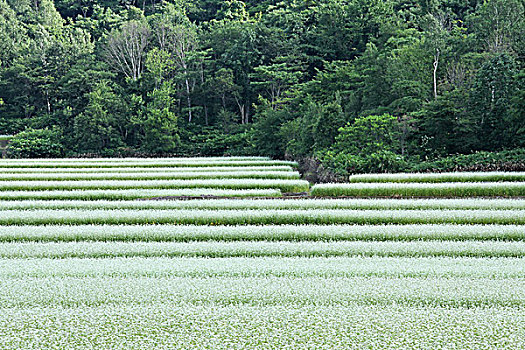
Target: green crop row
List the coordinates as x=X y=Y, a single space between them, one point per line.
x=152 y=176
x=273 y=204
x=135 y=160
x=216 y=249
x=452 y=189
x=181 y=233
x=260 y=217
x=144 y=170
x=92 y=195
x=441 y=177
x=145 y=164
x=236 y=184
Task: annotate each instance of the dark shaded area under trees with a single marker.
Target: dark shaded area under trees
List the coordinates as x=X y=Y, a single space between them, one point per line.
x=360 y=85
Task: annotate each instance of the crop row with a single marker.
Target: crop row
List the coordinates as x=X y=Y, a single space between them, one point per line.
x=143 y=164
x=260 y=217
x=267 y=291
x=331 y=267
x=237 y=184
x=274 y=204
x=133 y=160
x=219 y=249
x=181 y=233
x=152 y=176
x=91 y=195
x=441 y=177
x=452 y=189
x=143 y=170
x=242 y=327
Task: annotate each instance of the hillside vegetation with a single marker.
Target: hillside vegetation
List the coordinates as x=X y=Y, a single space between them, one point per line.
x=357 y=85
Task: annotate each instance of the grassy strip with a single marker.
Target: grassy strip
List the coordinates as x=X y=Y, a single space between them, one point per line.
x=260 y=217
x=235 y=184
x=178 y=233
x=452 y=189
x=143 y=170
x=215 y=249
x=334 y=267
x=242 y=326
x=441 y=177
x=146 y=164
x=153 y=176
x=92 y=195
x=274 y=204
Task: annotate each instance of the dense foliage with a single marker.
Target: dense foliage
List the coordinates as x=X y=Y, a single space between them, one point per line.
x=362 y=85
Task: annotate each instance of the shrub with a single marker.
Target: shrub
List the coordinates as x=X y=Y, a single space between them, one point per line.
x=344 y=164
x=512 y=160
x=36 y=143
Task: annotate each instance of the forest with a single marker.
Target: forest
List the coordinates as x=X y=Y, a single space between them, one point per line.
x=352 y=86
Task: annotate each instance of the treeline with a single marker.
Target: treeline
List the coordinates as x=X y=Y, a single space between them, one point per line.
x=361 y=85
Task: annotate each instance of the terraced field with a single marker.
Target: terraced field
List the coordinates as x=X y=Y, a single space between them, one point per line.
x=224 y=258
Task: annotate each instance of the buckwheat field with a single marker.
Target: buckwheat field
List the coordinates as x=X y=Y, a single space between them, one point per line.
x=240 y=253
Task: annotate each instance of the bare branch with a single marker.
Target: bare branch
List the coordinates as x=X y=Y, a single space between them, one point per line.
x=126 y=49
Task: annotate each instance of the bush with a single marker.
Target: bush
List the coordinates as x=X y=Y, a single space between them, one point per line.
x=345 y=164
x=370 y=144
x=513 y=160
x=36 y=143
x=214 y=142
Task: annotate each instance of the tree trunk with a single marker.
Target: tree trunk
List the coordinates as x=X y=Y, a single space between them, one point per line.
x=436 y=64
x=247 y=115
x=188 y=100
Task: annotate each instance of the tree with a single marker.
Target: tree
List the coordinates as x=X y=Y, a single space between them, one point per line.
x=369 y=134
x=12 y=34
x=499 y=25
x=235 y=45
x=125 y=49
x=177 y=36
x=265 y=135
x=96 y=128
x=41 y=12
x=316 y=127
x=30 y=84
x=276 y=79
x=516 y=127
x=444 y=127
x=368 y=144
x=491 y=99
x=160 y=123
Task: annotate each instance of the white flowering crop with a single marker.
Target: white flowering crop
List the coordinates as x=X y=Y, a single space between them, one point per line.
x=91 y=195
x=85 y=265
